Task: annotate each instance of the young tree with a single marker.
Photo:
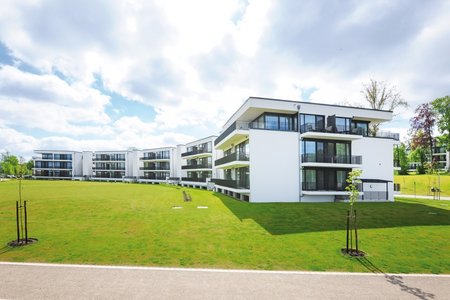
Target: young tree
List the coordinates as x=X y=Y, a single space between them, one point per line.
x=441 y=108
x=381 y=95
x=422 y=125
x=401 y=156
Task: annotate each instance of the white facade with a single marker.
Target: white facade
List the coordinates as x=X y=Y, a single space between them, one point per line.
x=57 y=164
x=270 y=150
x=303 y=152
x=197 y=162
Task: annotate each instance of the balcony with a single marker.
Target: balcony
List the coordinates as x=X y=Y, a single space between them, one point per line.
x=153 y=177
x=193 y=179
x=195 y=152
x=108 y=169
x=154 y=157
x=234 y=184
x=439 y=150
x=107 y=159
x=326 y=186
x=235 y=159
x=332 y=159
x=388 y=135
x=241 y=129
x=199 y=166
x=155 y=168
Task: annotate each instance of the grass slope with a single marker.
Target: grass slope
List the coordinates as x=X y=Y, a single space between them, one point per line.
x=134 y=224
x=423 y=184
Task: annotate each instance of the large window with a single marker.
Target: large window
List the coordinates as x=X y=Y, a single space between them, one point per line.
x=317 y=179
x=343 y=125
x=311 y=123
x=360 y=127
x=326 y=151
x=273 y=121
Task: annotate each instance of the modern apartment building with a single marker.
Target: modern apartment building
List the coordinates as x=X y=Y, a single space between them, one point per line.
x=157 y=165
x=442 y=157
x=289 y=151
x=270 y=150
x=197 y=162
x=113 y=165
x=57 y=164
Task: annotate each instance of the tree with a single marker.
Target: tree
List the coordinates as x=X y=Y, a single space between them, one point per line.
x=353 y=194
x=419 y=154
x=380 y=95
x=422 y=125
x=9 y=163
x=401 y=156
x=441 y=108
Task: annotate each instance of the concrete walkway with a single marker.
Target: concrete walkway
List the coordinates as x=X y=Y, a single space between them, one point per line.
x=420 y=197
x=48 y=281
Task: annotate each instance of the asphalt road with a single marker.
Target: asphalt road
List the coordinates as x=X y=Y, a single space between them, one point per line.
x=45 y=281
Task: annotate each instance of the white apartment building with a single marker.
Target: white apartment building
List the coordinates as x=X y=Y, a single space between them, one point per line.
x=57 y=164
x=197 y=162
x=157 y=165
x=270 y=150
x=289 y=151
x=113 y=165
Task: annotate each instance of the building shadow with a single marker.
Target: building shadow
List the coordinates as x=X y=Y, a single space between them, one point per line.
x=395 y=280
x=288 y=218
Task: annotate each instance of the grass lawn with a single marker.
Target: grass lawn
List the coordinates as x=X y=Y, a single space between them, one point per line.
x=423 y=184
x=134 y=224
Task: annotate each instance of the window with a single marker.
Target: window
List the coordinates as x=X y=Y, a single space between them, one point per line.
x=343 y=125
x=273 y=121
x=324 y=179
x=360 y=127
x=326 y=151
x=309 y=179
x=311 y=123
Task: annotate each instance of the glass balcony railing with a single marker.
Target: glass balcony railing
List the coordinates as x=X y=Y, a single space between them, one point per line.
x=234 y=184
x=332 y=159
x=196 y=166
x=232 y=157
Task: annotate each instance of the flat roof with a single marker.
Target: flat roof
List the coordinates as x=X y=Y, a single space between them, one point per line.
x=301 y=102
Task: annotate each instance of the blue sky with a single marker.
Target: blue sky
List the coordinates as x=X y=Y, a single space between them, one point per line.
x=115 y=74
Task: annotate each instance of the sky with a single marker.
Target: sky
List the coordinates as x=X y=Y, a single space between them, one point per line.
x=116 y=74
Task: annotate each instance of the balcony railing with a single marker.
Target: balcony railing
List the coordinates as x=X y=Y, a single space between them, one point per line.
x=155 y=168
x=234 y=184
x=159 y=157
x=388 y=134
x=153 y=177
x=232 y=157
x=108 y=168
x=197 y=151
x=199 y=166
x=315 y=186
x=193 y=179
x=230 y=129
x=107 y=159
x=336 y=159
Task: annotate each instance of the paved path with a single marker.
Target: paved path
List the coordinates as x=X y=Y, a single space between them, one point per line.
x=419 y=197
x=47 y=281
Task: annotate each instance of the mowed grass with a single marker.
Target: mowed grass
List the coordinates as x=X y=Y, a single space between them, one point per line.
x=423 y=184
x=134 y=224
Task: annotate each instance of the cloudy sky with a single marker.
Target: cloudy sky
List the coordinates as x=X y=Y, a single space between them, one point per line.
x=114 y=74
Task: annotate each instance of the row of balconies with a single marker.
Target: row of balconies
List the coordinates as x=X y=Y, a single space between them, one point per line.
x=237 y=126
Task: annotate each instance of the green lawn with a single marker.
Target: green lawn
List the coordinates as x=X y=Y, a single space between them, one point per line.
x=134 y=224
x=423 y=184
